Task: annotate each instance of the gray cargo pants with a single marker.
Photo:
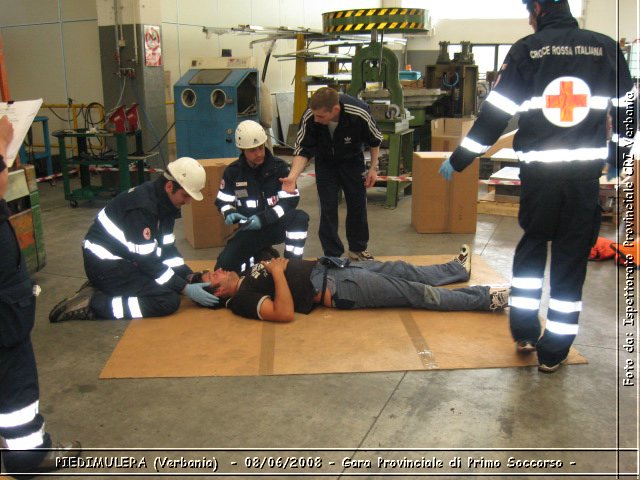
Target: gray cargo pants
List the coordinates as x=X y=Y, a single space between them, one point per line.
x=374 y=284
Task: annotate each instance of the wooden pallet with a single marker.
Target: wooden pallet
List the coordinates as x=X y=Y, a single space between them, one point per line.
x=488 y=205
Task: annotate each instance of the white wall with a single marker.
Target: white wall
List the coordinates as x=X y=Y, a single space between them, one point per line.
x=52 y=49
x=617 y=19
x=183 y=21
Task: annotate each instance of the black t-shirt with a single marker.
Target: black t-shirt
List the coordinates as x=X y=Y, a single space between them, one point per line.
x=257 y=286
x=4 y=210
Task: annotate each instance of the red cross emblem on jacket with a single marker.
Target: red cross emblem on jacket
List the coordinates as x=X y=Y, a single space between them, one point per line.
x=566 y=101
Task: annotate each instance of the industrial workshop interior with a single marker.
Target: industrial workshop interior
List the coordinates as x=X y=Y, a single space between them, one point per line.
x=115 y=90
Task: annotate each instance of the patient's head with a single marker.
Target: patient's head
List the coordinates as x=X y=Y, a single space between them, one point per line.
x=224 y=283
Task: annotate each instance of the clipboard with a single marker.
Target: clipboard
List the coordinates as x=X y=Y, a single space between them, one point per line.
x=21 y=115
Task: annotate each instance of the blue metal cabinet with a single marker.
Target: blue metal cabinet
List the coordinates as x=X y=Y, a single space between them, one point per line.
x=209 y=104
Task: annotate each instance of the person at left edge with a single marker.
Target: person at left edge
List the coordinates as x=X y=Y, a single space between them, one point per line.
x=130 y=257
x=251 y=195
x=25 y=446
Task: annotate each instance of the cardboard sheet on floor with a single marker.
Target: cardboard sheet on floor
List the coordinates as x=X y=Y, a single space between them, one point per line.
x=197 y=342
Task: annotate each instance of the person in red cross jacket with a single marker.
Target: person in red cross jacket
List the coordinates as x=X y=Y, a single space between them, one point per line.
x=562 y=81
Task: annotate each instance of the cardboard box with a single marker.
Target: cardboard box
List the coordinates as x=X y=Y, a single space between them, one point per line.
x=445 y=143
x=455 y=127
x=30 y=174
x=412 y=83
x=204 y=226
x=507 y=190
x=439 y=206
x=447 y=133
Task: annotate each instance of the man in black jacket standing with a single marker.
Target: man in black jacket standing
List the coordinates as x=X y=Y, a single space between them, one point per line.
x=562 y=80
x=334 y=129
x=251 y=195
x=130 y=257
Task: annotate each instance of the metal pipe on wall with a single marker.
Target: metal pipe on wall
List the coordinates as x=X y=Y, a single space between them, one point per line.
x=116 y=34
x=134 y=22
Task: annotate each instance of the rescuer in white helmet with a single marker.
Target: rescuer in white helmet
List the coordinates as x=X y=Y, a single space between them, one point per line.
x=252 y=196
x=130 y=256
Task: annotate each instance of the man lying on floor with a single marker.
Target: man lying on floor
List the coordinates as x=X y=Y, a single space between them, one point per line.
x=273 y=290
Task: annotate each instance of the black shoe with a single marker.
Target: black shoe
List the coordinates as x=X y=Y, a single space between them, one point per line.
x=75 y=307
x=362 y=256
x=52 y=460
x=544 y=368
x=525 y=347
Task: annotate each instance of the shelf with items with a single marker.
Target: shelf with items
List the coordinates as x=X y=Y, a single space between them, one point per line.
x=85 y=162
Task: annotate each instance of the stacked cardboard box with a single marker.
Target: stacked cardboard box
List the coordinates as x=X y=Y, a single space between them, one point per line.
x=439 y=206
x=204 y=226
x=447 y=133
x=507 y=186
x=412 y=83
x=23 y=200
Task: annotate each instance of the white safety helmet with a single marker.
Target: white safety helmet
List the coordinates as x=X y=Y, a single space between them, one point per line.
x=189 y=174
x=250 y=134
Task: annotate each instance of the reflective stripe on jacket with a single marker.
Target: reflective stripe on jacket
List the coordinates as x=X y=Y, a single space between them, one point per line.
x=561 y=80
x=256 y=191
x=137 y=226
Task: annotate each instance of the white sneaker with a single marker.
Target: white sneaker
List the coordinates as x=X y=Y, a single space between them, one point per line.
x=499 y=298
x=464 y=257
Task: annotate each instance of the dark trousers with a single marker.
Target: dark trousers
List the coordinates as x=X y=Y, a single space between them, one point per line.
x=19 y=389
x=240 y=251
x=330 y=178
x=566 y=213
x=124 y=291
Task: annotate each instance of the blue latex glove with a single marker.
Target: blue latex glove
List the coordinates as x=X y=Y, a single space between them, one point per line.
x=253 y=223
x=197 y=293
x=612 y=172
x=234 y=218
x=446 y=170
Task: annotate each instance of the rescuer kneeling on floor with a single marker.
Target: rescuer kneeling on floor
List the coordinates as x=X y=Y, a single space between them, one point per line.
x=130 y=257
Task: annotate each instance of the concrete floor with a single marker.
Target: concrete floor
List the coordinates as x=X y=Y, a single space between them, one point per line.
x=579 y=407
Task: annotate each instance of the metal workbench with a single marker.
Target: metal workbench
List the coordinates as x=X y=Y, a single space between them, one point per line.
x=85 y=161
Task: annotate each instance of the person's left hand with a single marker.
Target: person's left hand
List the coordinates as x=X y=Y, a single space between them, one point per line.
x=234 y=217
x=276 y=264
x=370 y=179
x=446 y=170
x=253 y=223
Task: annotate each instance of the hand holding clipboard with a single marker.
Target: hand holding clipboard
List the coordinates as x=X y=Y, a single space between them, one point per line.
x=21 y=115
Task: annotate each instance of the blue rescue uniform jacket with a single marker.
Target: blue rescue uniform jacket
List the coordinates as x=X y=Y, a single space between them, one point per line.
x=562 y=81
x=137 y=226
